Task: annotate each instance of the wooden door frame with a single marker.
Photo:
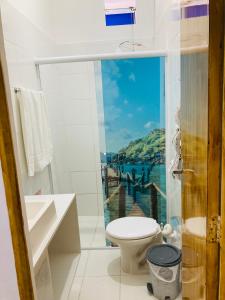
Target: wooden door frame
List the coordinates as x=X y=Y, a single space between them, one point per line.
x=222 y=204
x=25 y=278
x=215 y=104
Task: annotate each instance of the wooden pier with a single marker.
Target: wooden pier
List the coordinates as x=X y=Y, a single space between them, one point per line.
x=123 y=187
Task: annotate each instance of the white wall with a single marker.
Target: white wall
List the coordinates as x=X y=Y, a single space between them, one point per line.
x=8 y=277
x=84 y=21
x=23 y=42
x=79 y=26
x=37 y=12
x=71 y=96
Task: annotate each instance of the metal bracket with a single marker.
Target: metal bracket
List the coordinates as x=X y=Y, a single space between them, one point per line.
x=214 y=229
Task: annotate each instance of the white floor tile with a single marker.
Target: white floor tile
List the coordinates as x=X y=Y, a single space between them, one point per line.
x=100 y=288
x=75 y=289
x=82 y=264
x=144 y=273
x=98 y=276
x=103 y=263
x=133 y=287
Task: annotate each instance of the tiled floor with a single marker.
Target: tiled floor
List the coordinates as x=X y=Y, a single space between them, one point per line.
x=99 y=277
x=92 y=231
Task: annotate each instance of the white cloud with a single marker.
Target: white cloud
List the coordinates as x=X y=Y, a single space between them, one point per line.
x=148 y=125
x=151 y=125
x=113 y=69
x=111 y=90
x=113 y=113
x=140 y=108
x=132 y=77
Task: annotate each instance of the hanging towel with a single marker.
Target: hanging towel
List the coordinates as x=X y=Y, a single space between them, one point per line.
x=35 y=129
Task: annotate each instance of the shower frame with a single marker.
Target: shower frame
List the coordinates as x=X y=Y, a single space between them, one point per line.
x=109 y=56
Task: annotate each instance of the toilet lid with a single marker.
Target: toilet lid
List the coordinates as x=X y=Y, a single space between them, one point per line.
x=132 y=228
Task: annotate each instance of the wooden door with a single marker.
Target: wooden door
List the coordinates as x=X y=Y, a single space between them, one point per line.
x=201 y=129
x=222 y=203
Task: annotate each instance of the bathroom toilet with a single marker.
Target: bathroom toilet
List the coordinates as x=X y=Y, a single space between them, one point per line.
x=134 y=235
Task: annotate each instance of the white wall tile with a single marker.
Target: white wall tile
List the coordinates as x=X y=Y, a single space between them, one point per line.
x=87 y=205
x=74 y=123
x=84 y=182
x=81 y=148
x=55 y=105
x=75 y=86
x=100 y=204
x=77 y=112
x=99 y=181
x=23 y=41
x=74 y=68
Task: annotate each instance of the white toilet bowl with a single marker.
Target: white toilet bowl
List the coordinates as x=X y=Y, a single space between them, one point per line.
x=134 y=235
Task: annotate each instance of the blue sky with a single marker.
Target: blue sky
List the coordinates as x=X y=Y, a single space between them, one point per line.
x=133 y=99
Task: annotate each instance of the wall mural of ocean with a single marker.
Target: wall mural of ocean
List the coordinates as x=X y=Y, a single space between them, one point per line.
x=133 y=162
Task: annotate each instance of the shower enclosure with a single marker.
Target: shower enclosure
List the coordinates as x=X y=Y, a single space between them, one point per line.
x=112 y=110
x=108 y=122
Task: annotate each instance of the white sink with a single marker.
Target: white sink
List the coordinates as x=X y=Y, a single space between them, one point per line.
x=33 y=208
x=41 y=215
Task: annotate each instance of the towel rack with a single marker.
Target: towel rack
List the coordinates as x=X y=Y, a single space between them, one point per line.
x=18 y=90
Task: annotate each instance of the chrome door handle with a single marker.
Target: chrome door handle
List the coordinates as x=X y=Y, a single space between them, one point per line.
x=182 y=171
x=178 y=172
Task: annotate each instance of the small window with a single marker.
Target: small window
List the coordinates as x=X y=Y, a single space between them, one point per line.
x=120 y=12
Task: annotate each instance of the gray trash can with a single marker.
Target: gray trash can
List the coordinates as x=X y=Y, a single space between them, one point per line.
x=164 y=262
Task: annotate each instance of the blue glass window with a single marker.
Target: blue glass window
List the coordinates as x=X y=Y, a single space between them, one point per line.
x=120 y=12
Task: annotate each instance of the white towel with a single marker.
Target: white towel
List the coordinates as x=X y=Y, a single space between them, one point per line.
x=36 y=130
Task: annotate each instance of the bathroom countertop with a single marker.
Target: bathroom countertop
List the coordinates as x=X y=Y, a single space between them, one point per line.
x=62 y=205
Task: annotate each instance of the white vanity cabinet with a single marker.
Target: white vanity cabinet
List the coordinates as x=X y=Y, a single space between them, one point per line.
x=57 y=251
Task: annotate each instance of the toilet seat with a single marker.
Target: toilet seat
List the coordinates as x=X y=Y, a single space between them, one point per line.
x=132 y=228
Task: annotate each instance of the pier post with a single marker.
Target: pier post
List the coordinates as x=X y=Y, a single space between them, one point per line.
x=135 y=193
x=153 y=201
x=128 y=184
x=106 y=182
x=122 y=201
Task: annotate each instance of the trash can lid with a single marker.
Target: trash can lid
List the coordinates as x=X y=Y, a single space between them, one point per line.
x=164 y=255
